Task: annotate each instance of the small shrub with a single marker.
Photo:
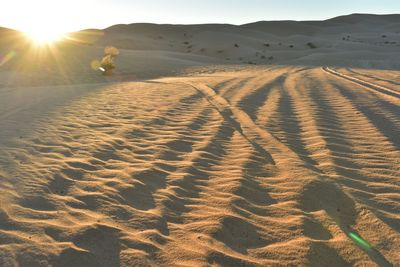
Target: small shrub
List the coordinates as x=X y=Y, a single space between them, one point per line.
x=186 y=43
x=266 y=45
x=384 y=36
x=236 y=45
x=271 y=58
x=107 y=63
x=311 y=45
x=111 y=51
x=291 y=46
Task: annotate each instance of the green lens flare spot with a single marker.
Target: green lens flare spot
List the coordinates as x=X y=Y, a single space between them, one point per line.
x=360 y=241
x=95 y=64
x=7 y=57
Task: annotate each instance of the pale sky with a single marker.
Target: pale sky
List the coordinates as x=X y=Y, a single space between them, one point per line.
x=71 y=15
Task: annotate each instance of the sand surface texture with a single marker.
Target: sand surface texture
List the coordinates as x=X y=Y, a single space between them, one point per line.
x=180 y=159
x=274 y=166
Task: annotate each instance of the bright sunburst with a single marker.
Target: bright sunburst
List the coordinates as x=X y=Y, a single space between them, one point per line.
x=44 y=36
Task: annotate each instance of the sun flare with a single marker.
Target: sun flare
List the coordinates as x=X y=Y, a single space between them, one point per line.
x=43 y=36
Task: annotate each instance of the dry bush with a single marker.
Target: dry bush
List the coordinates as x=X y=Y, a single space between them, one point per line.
x=111 y=51
x=107 y=63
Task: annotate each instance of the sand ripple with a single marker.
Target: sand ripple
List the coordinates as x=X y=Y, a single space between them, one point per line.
x=275 y=166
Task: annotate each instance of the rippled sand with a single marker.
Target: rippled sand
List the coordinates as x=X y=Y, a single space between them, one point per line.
x=282 y=166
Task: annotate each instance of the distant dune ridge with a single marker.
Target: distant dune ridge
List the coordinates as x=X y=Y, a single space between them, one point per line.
x=363 y=40
x=266 y=144
x=362 y=33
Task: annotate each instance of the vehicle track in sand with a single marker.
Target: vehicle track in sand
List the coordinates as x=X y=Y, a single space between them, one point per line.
x=275 y=166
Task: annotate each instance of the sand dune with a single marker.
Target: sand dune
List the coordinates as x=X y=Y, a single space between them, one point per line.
x=151 y=50
x=190 y=159
x=270 y=167
x=356 y=40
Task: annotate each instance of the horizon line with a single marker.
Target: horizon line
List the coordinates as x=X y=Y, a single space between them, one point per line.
x=215 y=23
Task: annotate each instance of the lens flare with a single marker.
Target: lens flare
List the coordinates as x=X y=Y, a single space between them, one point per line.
x=360 y=241
x=7 y=57
x=95 y=64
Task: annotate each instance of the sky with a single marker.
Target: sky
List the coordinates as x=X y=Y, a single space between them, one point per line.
x=71 y=15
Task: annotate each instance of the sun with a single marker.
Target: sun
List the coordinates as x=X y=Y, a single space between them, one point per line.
x=44 y=36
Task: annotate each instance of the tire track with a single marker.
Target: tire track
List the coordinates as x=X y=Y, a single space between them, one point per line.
x=288 y=125
x=381 y=113
x=250 y=131
x=368 y=85
x=327 y=142
x=163 y=174
x=253 y=101
x=358 y=161
x=373 y=78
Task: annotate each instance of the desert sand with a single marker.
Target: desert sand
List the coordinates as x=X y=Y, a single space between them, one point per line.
x=212 y=145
